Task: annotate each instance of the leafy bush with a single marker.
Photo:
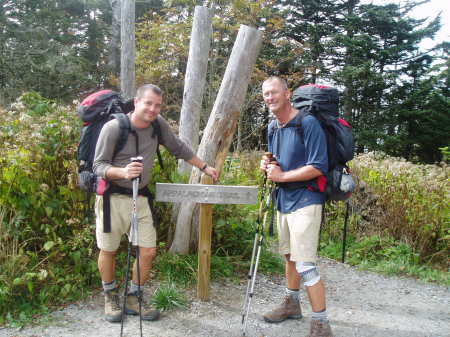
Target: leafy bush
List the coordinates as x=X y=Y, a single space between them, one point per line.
x=399 y=219
x=412 y=202
x=47 y=253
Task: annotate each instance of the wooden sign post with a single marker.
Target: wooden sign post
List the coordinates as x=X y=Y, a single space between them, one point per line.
x=204 y=246
x=207 y=195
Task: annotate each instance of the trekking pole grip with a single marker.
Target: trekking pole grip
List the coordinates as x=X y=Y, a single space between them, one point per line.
x=271 y=157
x=138 y=159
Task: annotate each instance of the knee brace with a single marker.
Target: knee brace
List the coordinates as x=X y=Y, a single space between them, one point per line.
x=309 y=273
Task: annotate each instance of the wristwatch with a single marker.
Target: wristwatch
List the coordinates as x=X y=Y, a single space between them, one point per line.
x=204 y=167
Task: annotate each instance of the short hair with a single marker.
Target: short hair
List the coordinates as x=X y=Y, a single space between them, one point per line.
x=144 y=88
x=279 y=79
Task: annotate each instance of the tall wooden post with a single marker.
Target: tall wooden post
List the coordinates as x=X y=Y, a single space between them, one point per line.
x=128 y=51
x=204 y=246
x=194 y=81
x=194 y=84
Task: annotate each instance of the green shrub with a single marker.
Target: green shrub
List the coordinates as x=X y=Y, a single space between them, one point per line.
x=47 y=253
x=399 y=219
x=411 y=202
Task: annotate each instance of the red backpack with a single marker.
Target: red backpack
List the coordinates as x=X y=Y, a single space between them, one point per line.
x=95 y=110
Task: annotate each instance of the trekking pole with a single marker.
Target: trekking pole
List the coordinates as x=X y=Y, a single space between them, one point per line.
x=254 y=266
x=133 y=240
x=255 y=241
x=257 y=246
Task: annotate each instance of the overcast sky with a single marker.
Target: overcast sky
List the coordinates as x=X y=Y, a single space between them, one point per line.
x=431 y=10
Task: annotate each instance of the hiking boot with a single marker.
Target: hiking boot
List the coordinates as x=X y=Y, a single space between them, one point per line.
x=320 y=328
x=289 y=308
x=147 y=311
x=113 y=312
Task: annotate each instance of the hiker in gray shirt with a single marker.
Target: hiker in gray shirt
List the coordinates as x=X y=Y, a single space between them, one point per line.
x=119 y=171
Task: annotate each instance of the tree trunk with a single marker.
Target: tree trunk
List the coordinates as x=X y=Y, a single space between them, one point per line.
x=195 y=80
x=127 y=32
x=114 y=47
x=194 y=85
x=222 y=123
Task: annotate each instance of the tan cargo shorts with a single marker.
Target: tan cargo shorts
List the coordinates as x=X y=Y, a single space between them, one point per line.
x=298 y=233
x=121 y=209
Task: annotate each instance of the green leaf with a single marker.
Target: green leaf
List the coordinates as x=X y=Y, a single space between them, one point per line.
x=48 y=211
x=30 y=286
x=17 y=281
x=49 y=245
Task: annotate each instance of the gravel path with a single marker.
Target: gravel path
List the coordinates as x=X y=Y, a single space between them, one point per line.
x=360 y=304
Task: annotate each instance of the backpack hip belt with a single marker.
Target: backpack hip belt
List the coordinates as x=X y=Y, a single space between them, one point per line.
x=315 y=185
x=120 y=190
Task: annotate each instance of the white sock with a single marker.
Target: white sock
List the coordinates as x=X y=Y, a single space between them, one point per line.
x=294 y=293
x=134 y=288
x=321 y=315
x=107 y=286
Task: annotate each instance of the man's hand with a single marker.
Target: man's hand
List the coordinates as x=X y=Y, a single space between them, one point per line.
x=267 y=162
x=263 y=164
x=132 y=170
x=274 y=173
x=212 y=172
x=267 y=159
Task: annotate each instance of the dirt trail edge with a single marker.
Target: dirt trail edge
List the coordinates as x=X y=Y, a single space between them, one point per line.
x=360 y=304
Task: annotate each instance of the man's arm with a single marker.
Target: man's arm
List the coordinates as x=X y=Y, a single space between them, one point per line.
x=129 y=172
x=180 y=150
x=303 y=173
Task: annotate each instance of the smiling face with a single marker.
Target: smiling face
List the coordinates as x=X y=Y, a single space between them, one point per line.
x=146 y=108
x=276 y=96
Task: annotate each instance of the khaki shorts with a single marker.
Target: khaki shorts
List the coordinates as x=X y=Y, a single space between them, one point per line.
x=121 y=208
x=298 y=233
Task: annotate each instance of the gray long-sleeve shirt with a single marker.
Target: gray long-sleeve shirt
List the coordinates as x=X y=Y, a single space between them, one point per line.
x=147 y=149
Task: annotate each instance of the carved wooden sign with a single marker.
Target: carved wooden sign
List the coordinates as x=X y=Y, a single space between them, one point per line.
x=206 y=194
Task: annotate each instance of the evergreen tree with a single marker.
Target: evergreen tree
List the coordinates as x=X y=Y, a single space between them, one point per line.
x=52 y=47
x=311 y=24
x=419 y=108
x=377 y=44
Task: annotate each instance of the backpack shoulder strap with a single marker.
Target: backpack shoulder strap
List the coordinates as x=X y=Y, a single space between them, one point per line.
x=271 y=128
x=156 y=130
x=157 y=133
x=297 y=121
x=125 y=128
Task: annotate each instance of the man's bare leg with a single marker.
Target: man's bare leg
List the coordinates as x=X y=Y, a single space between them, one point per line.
x=316 y=295
x=107 y=265
x=146 y=257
